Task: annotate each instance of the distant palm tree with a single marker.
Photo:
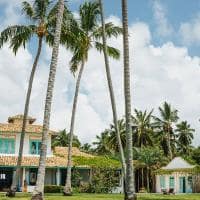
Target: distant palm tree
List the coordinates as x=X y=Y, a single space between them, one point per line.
x=39 y=188
x=111 y=91
x=129 y=181
x=168 y=116
x=142 y=128
x=62 y=139
x=87 y=34
x=113 y=140
x=42 y=15
x=102 y=144
x=185 y=136
x=87 y=148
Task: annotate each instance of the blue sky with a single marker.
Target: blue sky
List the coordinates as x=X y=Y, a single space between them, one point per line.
x=164 y=59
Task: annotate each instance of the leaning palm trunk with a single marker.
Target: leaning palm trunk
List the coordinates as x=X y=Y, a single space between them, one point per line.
x=26 y=109
x=68 y=188
x=112 y=96
x=39 y=188
x=130 y=183
x=169 y=143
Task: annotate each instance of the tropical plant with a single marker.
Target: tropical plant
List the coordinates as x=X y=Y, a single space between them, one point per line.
x=101 y=144
x=112 y=137
x=39 y=188
x=87 y=148
x=151 y=157
x=111 y=91
x=42 y=15
x=87 y=34
x=129 y=180
x=185 y=136
x=142 y=128
x=195 y=155
x=168 y=116
x=62 y=139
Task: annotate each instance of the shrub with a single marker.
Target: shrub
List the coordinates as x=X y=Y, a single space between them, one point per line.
x=53 y=189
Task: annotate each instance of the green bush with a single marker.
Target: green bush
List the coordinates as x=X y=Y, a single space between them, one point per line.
x=53 y=189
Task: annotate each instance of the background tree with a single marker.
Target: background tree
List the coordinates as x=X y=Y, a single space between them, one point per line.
x=168 y=116
x=87 y=34
x=195 y=155
x=62 y=139
x=39 y=188
x=42 y=17
x=142 y=128
x=185 y=137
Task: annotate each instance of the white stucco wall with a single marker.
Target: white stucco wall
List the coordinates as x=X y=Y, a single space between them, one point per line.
x=176 y=176
x=27 y=138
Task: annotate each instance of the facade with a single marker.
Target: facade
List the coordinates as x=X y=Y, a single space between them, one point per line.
x=178 y=176
x=9 y=147
x=56 y=161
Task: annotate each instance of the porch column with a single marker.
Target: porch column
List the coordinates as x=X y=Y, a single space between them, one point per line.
x=23 y=177
x=58 y=176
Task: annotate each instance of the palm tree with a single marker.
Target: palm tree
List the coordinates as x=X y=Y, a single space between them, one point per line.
x=113 y=139
x=41 y=14
x=130 y=183
x=39 y=188
x=102 y=143
x=62 y=139
x=168 y=117
x=111 y=91
x=87 y=34
x=185 y=136
x=142 y=132
x=143 y=128
x=150 y=157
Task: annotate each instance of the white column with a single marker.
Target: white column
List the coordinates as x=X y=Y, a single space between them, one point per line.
x=23 y=177
x=58 y=176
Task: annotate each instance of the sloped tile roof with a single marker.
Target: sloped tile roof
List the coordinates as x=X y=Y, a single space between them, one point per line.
x=59 y=158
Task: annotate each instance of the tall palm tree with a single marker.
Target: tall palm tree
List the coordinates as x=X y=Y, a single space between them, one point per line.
x=39 y=188
x=111 y=91
x=130 y=183
x=87 y=34
x=168 y=117
x=41 y=14
x=143 y=128
x=185 y=136
x=142 y=132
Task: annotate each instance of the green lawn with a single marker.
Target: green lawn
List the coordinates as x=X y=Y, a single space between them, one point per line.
x=107 y=197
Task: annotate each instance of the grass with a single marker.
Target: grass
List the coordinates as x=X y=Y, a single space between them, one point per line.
x=21 y=196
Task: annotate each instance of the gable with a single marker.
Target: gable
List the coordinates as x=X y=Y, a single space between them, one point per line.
x=178 y=163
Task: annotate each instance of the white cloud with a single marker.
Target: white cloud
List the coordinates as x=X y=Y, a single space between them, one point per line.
x=163 y=28
x=159 y=73
x=190 y=30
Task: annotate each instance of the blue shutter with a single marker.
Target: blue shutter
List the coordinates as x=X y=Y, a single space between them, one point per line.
x=162 y=182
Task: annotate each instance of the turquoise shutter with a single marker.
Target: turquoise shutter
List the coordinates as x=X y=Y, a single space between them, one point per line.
x=162 y=182
x=171 y=182
x=1 y=146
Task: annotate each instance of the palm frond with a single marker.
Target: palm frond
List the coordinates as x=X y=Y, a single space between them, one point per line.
x=41 y=8
x=112 y=52
x=18 y=35
x=27 y=9
x=89 y=14
x=110 y=29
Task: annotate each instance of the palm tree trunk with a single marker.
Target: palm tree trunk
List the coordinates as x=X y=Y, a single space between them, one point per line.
x=130 y=182
x=26 y=109
x=169 y=143
x=39 y=188
x=142 y=176
x=112 y=96
x=68 y=188
x=147 y=175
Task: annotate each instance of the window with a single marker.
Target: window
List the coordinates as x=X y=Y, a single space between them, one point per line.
x=171 y=182
x=7 y=145
x=32 y=176
x=162 y=182
x=2 y=176
x=35 y=146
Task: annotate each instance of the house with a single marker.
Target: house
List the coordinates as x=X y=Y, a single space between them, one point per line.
x=56 y=160
x=178 y=176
